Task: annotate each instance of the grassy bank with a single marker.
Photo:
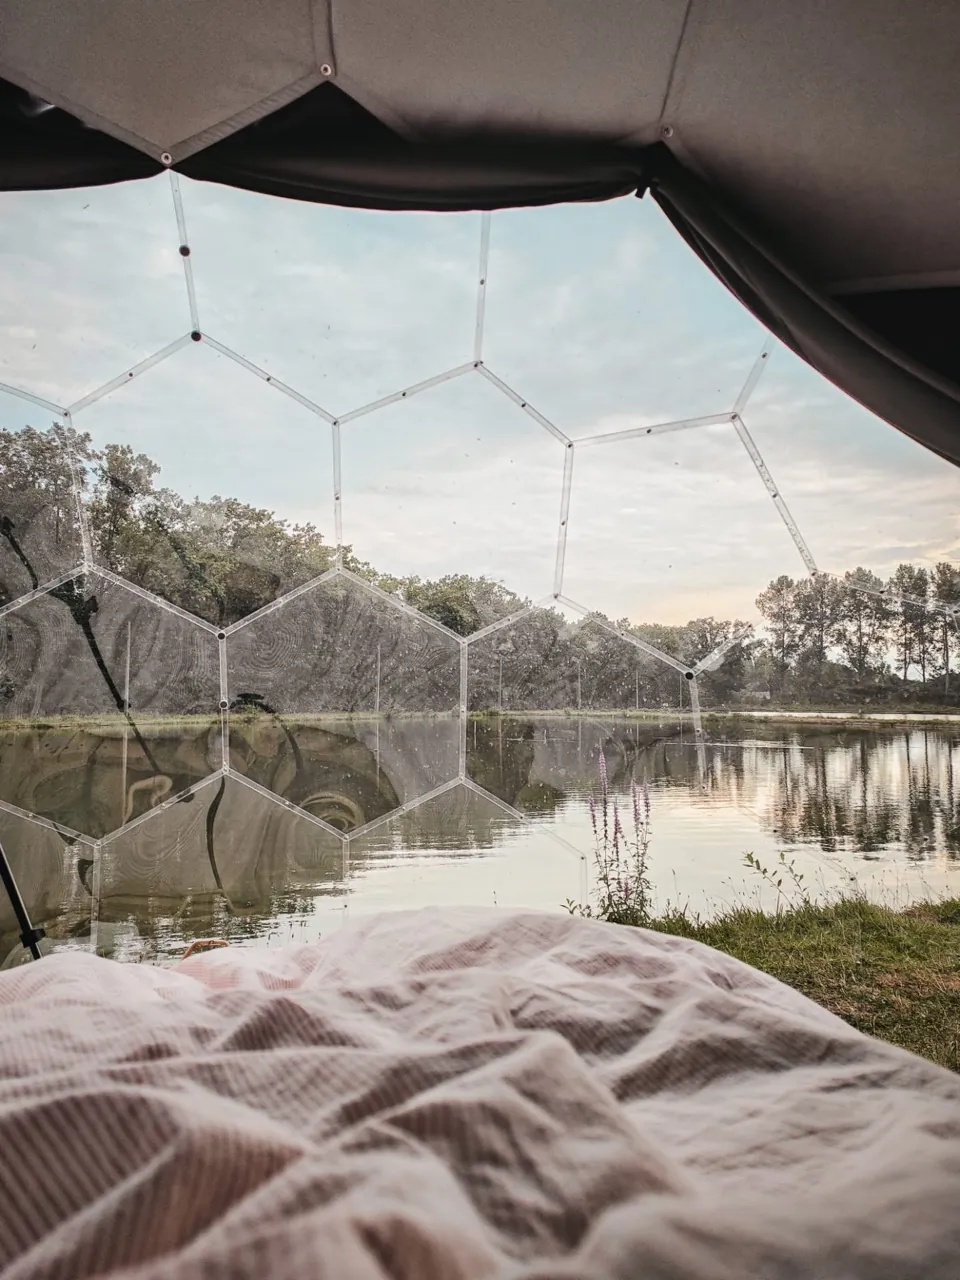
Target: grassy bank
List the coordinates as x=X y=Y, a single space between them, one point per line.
x=892 y=974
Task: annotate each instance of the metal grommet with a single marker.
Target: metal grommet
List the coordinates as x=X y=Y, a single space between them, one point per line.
x=223 y=704
x=326 y=69
x=196 y=335
x=166 y=158
x=688 y=674
x=184 y=251
x=221 y=635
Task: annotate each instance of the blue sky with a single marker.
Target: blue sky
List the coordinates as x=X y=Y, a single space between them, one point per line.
x=597 y=315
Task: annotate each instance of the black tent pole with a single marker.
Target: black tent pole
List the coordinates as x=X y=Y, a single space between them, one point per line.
x=29 y=936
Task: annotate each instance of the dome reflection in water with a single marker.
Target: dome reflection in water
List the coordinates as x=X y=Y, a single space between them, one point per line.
x=231 y=859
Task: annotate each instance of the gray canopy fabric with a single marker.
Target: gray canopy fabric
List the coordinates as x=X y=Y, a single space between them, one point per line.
x=823 y=136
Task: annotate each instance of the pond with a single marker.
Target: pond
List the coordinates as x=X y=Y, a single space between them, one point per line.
x=326 y=819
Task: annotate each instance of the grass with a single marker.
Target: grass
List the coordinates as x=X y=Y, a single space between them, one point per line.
x=892 y=974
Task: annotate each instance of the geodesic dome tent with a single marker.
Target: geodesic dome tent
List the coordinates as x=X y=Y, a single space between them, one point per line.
x=809 y=160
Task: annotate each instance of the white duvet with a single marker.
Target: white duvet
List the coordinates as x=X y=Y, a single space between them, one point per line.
x=462 y=1094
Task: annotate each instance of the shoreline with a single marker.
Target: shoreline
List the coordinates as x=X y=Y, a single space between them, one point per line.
x=644 y=714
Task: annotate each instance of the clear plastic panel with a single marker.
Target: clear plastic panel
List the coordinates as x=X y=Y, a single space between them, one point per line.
x=665 y=528
x=348 y=306
x=92 y=282
x=865 y=495
x=550 y=660
x=343 y=646
x=53 y=873
x=110 y=704
x=454 y=483
x=553 y=738
x=606 y=320
x=460 y=847
x=230 y=863
x=344 y=701
x=40 y=537
x=208 y=486
x=345 y=772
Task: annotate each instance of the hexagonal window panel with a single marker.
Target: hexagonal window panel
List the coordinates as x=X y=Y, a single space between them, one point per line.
x=557 y=660
x=865 y=495
x=561 y=703
x=40 y=537
x=667 y=529
x=459 y=847
x=233 y=863
x=208 y=486
x=605 y=319
x=346 y=305
x=344 y=702
x=455 y=494
x=92 y=282
x=52 y=872
x=109 y=704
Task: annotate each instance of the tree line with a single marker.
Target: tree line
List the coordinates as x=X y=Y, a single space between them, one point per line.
x=857 y=639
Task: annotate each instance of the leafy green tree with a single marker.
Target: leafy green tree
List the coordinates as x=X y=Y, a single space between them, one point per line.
x=913 y=629
x=703 y=636
x=945 y=584
x=39 y=531
x=863 y=631
x=462 y=603
x=778 y=609
x=818 y=602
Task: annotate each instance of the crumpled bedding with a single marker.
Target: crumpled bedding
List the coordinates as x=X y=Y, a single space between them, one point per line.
x=462 y=1093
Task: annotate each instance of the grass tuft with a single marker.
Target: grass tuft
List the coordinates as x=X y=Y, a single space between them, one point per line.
x=892 y=974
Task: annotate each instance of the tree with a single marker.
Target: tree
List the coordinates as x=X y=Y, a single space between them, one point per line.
x=778 y=608
x=462 y=603
x=818 y=603
x=40 y=473
x=701 y=637
x=912 y=619
x=945 y=585
x=863 y=631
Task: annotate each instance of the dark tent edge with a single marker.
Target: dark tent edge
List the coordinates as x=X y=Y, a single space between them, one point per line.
x=900 y=386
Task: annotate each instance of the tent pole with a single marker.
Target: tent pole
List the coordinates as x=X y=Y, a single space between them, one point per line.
x=29 y=936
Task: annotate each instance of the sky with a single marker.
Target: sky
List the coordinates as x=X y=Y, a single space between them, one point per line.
x=597 y=316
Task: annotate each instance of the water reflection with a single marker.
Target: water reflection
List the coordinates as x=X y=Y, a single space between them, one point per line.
x=235 y=858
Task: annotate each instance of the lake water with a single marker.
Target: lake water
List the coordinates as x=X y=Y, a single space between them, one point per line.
x=130 y=865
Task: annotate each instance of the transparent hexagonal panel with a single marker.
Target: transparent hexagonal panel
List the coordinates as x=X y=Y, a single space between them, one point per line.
x=454 y=494
x=562 y=706
x=207 y=486
x=605 y=319
x=345 y=771
x=344 y=702
x=346 y=305
x=109 y=704
x=53 y=875
x=40 y=536
x=555 y=659
x=865 y=495
x=459 y=847
x=92 y=282
x=341 y=647
x=229 y=863
x=669 y=528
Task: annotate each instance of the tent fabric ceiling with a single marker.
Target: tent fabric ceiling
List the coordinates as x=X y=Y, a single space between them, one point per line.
x=832 y=129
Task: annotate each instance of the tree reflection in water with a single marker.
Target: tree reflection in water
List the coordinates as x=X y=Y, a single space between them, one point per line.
x=234 y=862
